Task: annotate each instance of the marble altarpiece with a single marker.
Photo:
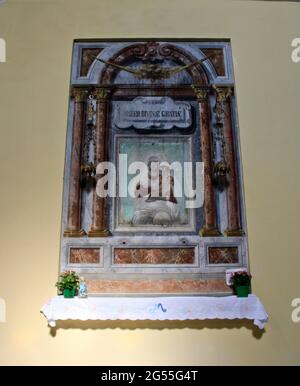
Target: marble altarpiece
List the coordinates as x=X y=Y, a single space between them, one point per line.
x=153 y=101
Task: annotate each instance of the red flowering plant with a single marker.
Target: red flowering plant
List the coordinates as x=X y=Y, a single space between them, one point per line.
x=240 y=278
x=68 y=280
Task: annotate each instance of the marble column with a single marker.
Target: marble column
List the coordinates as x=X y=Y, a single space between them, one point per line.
x=210 y=227
x=223 y=95
x=74 y=199
x=99 y=226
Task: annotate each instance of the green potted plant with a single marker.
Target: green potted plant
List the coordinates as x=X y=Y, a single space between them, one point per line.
x=68 y=284
x=240 y=282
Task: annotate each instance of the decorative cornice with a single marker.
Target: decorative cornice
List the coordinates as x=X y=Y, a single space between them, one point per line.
x=74 y=233
x=209 y=232
x=201 y=93
x=234 y=232
x=101 y=94
x=222 y=93
x=79 y=94
x=99 y=233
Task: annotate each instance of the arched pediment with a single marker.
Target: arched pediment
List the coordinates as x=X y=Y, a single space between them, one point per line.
x=162 y=55
x=168 y=55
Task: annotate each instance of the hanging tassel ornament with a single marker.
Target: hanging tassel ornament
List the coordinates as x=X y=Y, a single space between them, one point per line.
x=88 y=179
x=221 y=171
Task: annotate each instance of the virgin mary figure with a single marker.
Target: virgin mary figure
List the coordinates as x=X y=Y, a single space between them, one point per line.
x=161 y=207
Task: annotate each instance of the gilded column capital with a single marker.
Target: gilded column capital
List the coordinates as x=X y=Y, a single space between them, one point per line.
x=201 y=93
x=79 y=94
x=101 y=94
x=222 y=93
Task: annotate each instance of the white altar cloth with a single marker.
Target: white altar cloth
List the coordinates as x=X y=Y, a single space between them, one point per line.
x=155 y=308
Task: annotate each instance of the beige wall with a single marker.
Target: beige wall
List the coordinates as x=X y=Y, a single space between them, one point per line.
x=34 y=85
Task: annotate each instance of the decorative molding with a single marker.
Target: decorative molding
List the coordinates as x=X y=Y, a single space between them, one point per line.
x=79 y=94
x=154 y=71
x=201 y=93
x=99 y=233
x=209 y=232
x=152 y=51
x=101 y=94
x=74 y=233
x=139 y=52
x=222 y=93
x=234 y=232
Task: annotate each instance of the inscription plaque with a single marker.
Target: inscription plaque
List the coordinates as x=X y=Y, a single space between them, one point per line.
x=153 y=112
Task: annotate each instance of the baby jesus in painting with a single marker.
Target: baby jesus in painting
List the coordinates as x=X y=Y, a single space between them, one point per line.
x=155 y=201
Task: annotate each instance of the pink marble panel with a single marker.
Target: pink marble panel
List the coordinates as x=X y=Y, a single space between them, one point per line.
x=154 y=255
x=223 y=255
x=166 y=286
x=84 y=256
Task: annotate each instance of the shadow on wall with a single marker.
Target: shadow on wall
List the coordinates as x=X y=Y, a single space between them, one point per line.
x=157 y=325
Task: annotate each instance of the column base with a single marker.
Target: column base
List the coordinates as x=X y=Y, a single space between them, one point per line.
x=234 y=232
x=75 y=233
x=209 y=232
x=99 y=233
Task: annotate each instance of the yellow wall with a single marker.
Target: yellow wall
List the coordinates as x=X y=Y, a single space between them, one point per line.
x=34 y=84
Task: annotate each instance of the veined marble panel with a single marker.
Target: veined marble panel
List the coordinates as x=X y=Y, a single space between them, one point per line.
x=84 y=256
x=168 y=286
x=154 y=255
x=223 y=255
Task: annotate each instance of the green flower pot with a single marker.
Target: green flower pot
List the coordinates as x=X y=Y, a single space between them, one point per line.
x=242 y=291
x=69 y=293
